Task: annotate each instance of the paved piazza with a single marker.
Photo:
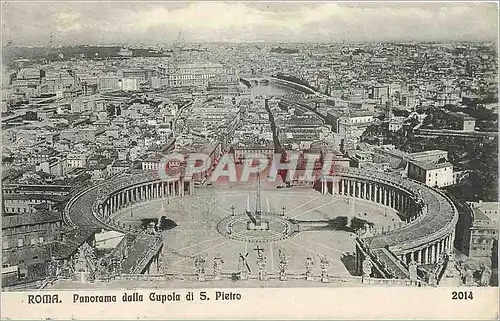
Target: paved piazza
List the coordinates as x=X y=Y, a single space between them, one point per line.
x=198 y=217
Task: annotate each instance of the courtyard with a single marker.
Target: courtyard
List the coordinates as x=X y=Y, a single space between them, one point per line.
x=197 y=217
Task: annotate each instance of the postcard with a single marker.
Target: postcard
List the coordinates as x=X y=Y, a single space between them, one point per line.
x=285 y=160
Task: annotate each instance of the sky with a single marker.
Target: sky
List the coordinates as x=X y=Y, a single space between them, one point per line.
x=159 y=23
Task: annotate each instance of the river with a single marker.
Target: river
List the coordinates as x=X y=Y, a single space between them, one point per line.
x=271 y=90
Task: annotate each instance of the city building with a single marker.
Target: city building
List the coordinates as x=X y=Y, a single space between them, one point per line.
x=484 y=230
x=396 y=123
x=28 y=230
x=380 y=93
x=136 y=73
x=463 y=121
x=88 y=103
x=80 y=134
x=190 y=75
x=350 y=123
x=118 y=166
x=429 y=156
x=76 y=160
x=129 y=84
x=56 y=166
x=432 y=174
x=242 y=152
x=109 y=82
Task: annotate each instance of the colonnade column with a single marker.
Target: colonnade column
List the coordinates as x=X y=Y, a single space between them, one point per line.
x=433 y=253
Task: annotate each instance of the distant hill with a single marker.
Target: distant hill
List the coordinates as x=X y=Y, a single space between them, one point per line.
x=38 y=54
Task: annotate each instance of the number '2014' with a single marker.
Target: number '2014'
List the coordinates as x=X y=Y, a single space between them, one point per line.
x=461 y=295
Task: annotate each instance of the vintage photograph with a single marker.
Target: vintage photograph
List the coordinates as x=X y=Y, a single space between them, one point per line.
x=166 y=145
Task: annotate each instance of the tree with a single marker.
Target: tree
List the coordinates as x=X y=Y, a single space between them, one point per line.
x=111 y=110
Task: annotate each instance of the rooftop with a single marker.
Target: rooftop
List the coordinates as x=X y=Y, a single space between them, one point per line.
x=432 y=166
x=428 y=153
x=485 y=210
x=30 y=219
x=461 y=115
x=480 y=215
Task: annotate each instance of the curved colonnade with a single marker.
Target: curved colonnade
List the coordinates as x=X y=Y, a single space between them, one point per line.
x=426 y=231
x=429 y=217
x=137 y=188
x=94 y=207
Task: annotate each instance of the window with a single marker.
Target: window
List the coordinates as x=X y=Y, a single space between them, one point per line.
x=40 y=240
x=20 y=242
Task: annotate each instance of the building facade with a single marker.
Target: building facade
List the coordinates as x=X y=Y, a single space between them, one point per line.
x=431 y=174
x=190 y=75
x=484 y=230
